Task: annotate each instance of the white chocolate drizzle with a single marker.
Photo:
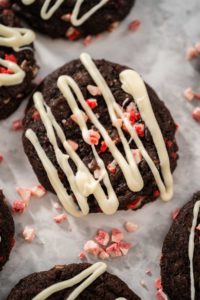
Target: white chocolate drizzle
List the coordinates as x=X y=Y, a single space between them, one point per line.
x=85 y=279
x=14 y=38
x=83 y=183
x=191 y=248
x=46 y=12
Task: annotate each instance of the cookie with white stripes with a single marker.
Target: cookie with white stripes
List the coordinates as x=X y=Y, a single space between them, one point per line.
x=102 y=285
x=17 y=63
x=6 y=231
x=180 y=263
x=100 y=147
x=73 y=19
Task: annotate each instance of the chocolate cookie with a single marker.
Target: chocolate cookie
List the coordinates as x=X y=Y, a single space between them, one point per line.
x=73 y=19
x=102 y=285
x=180 y=263
x=114 y=155
x=17 y=62
x=6 y=231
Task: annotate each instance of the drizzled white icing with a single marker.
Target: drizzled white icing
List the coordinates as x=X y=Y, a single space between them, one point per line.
x=14 y=38
x=85 y=278
x=82 y=182
x=191 y=247
x=47 y=12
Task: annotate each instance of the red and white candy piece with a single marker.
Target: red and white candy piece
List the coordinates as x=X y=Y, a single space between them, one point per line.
x=130 y=227
x=117 y=235
x=29 y=234
x=59 y=219
x=92 y=248
x=38 y=191
x=196 y=114
x=102 y=237
x=18 y=206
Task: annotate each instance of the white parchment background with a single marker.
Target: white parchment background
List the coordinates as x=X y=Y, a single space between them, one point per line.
x=157 y=51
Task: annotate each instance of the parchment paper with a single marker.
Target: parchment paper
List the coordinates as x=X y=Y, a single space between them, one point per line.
x=157 y=51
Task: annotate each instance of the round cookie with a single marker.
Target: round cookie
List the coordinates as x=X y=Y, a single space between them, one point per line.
x=103 y=286
x=61 y=23
x=128 y=185
x=17 y=66
x=6 y=231
x=178 y=267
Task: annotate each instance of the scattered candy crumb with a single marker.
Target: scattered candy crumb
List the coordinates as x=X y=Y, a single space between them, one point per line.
x=196 y=114
x=59 y=219
x=117 y=235
x=29 y=234
x=134 y=25
x=158 y=284
x=102 y=237
x=82 y=255
x=160 y=295
x=17 y=125
x=38 y=191
x=18 y=206
x=130 y=227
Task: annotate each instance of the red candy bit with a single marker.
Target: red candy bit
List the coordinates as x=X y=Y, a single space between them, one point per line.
x=114 y=250
x=36 y=115
x=197 y=96
x=87 y=40
x=5 y=71
x=82 y=255
x=103 y=255
x=156 y=194
x=73 y=34
x=17 y=125
x=158 y=284
x=73 y=144
x=139 y=128
x=11 y=57
x=59 y=219
x=117 y=235
x=169 y=143
x=102 y=237
x=132 y=117
x=92 y=248
x=94 y=137
x=134 y=25
x=29 y=234
x=124 y=247
x=18 y=206
x=38 y=191
x=112 y=167
x=136 y=203
x=196 y=114
x=92 y=103
x=1 y=158
x=137 y=155
x=160 y=295
x=175 y=213
x=173 y=155
x=103 y=147
x=137 y=116
x=25 y=194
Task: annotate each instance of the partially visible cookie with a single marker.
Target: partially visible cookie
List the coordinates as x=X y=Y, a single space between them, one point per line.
x=103 y=286
x=58 y=19
x=180 y=263
x=6 y=231
x=17 y=63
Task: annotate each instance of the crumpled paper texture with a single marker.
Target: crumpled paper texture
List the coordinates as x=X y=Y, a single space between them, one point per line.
x=157 y=51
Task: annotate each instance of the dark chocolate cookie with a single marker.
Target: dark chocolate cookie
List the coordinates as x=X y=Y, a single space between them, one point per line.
x=60 y=23
x=12 y=95
x=6 y=231
x=175 y=262
x=63 y=114
x=106 y=286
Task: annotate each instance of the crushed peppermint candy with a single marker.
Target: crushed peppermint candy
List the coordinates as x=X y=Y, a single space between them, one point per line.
x=139 y=128
x=94 y=90
x=130 y=227
x=158 y=284
x=38 y=191
x=59 y=219
x=1 y=157
x=18 y=206
x=73 y=144
x=196 y=114
x=102 y=237
x=134 y=25
x=92 y=103
x=10 y=57
x=94 y=137
x=137 y=155
x=87 y=40
x=193 y=52
x=25 y=194
x=103 y=147
x=82 y=255
x=73 y=34
x=17 y=125
x=107 y=245
x=112 y=167
x=74 y=117
x=29 y=234
x=117 y=235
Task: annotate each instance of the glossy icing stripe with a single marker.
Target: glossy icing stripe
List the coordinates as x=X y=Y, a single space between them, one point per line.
x=133 y=84
x=87 y=277
x=83 y=183
x=74 y=18
x=46 y=12
x=191 y=247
